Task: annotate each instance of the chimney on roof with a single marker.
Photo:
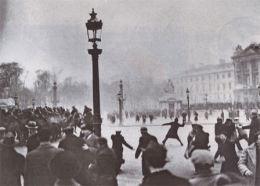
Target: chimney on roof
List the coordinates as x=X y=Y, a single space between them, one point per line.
x=221 y=61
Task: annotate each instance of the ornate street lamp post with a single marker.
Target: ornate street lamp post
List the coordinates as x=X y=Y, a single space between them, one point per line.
x=94 y=27
x=188 y=98
x=55 y=101
x=33 y=103
x=206 y=99
x=121 y=99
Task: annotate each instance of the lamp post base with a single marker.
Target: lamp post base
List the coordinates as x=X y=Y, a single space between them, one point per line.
x=189 y=122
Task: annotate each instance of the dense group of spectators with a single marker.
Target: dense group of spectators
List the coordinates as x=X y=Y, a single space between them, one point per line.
x=88 y=160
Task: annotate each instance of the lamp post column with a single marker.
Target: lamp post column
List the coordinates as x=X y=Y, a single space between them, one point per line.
x=55 y=94
x=206 y=98
x=95 y=52
x=121 y=102
x=33 y=103
x=188 y=99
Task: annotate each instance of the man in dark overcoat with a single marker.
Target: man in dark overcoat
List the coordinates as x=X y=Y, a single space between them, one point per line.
x=104 y=165
x=230 y=128
x=254 y=126
x=173 y=131
x=11 y=162
x=156 y=158
x=36 y=164
x=219 y=127
x=201 y=139
x=71 y=142
x=144 y=140
x=118 y=142
x=227 y=149
x=32 y=142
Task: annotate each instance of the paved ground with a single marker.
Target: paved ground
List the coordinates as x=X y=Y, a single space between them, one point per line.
x=178 y=165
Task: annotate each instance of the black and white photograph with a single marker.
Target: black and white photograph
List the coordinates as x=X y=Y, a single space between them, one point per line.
x=129 y=92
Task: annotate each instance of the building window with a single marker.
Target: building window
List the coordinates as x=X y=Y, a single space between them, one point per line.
x=209 y=76
x=224 y=96
x=202 y=78
x=218 y=86
x=229 y=86
x=229 y=75
x=224 y=86
x=218 y=96
x=191 y=79
x=223 y=75
x=230 y=96
x=217 y=76
x=209 y=87
x=196 y=78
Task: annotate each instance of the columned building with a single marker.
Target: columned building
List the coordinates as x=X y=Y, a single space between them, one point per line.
x=207 y=84
x=247 y=73
x=169 y=100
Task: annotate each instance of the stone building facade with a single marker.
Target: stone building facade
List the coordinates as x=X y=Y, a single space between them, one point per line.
x=247 y=73
x=207 y=84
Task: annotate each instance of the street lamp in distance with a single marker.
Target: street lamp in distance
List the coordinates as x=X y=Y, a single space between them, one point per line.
x=33 y=103
x=188 y=99
x=121 y=99
x=206 y=99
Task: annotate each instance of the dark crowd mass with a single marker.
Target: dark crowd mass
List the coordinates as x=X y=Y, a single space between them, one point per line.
x=88 y=160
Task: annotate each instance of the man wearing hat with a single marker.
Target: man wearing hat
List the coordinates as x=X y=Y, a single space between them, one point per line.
x=32 y=142
x=254 y=126
x=36 y=165
x=11 y=162
x=118 y=142
x=230 y=128
x=173 y=131
x=104 y=165
x=88 y=136
x=71 y=142
x=155 y=158
x=203 y=162
x=201 y=140
x=144 y=140
x=228 y=151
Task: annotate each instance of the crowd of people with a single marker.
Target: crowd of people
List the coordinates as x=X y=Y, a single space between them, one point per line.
x=88 y=160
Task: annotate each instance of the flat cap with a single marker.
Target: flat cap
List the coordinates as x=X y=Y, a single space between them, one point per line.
x=202 y=157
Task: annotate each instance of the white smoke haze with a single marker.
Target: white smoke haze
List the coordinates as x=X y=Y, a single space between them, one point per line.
x=140 y=39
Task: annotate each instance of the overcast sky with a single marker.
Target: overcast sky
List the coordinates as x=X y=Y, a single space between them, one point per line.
x=155 y=38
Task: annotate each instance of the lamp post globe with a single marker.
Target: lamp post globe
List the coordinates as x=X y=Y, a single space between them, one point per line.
x=94 y=28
